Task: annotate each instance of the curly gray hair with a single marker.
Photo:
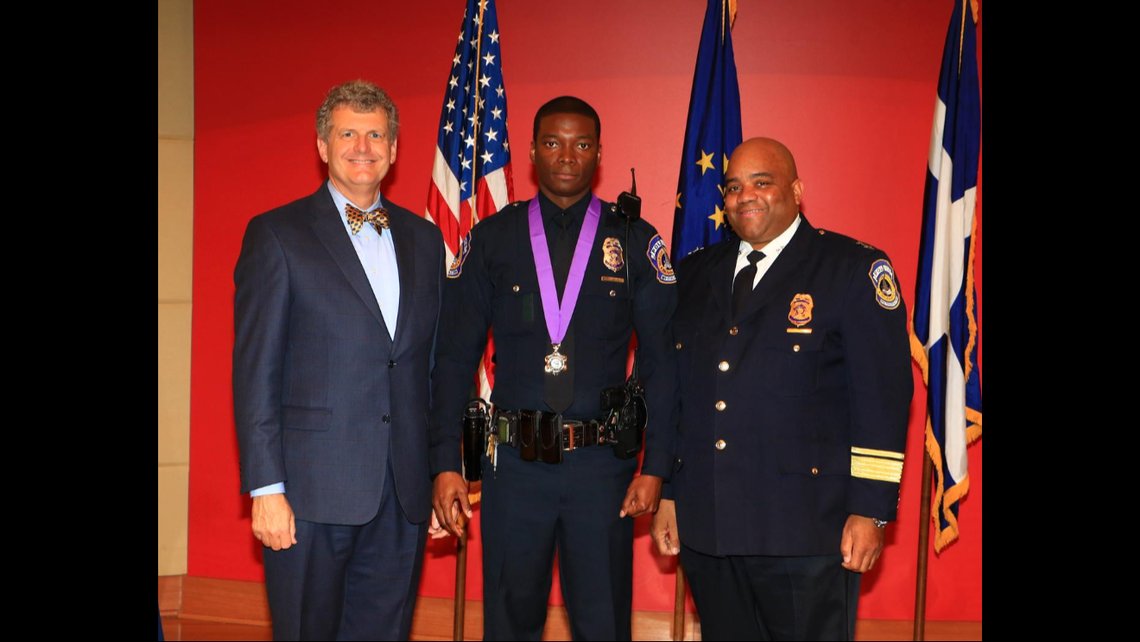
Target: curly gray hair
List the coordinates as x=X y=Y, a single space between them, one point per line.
x=362 y=97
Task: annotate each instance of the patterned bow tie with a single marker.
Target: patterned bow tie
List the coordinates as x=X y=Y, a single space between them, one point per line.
x=357 y=218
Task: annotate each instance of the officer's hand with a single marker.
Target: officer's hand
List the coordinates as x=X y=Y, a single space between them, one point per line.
x=861 y=544
x=642 y=497
x=449 y=497
x=273 y=523
x=664 y=528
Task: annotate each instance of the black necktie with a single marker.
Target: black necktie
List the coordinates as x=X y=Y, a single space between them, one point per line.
x=742 y=285
x=558 y=391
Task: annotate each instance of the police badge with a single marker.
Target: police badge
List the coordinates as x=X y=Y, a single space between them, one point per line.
x=800 y=314
x=612 y=255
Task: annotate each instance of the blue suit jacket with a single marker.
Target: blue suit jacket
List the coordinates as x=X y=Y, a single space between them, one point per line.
x=323 y=398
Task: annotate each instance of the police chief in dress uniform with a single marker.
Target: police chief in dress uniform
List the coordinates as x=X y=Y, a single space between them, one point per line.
x=795 y=383
x=532 y=508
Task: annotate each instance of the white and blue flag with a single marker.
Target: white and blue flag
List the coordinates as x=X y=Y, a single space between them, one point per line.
x=945 y=334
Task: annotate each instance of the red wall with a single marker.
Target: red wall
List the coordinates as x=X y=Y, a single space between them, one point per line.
x=849 y=87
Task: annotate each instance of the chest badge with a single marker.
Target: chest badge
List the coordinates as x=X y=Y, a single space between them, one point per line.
x=800 y=315
x=612 y=255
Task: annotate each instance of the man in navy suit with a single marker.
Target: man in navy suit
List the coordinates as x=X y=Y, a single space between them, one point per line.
x=337 y=298
x=795 y=388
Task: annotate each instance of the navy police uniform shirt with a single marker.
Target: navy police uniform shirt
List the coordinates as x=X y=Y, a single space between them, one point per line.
x=794 y=413
x=493 y=284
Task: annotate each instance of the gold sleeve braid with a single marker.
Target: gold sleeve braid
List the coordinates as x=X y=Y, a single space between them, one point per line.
x=879 y=465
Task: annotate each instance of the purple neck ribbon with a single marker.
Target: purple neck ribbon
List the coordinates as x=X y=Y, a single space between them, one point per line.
x=558 y=315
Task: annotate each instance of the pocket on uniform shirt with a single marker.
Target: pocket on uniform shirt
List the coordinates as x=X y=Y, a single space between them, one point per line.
x=814 y=459
x=791 y=367
x=602 y=311
x=517 y=308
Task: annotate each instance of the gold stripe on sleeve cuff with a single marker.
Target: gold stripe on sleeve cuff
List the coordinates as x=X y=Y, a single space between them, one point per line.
x=876 y=453
x=878 y=469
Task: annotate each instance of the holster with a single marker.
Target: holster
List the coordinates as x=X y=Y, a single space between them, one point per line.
x=475 y=420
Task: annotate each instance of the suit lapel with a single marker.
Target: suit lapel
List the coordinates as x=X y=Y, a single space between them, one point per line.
x=721 y=275
x=406 y=260
x=786 y=265
x=329 y=229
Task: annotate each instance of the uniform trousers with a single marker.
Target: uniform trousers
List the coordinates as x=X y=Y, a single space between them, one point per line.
x=348 y=582
x=760 y=597
x=531 y=509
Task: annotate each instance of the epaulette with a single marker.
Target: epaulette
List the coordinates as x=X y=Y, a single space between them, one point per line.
x=844 y=238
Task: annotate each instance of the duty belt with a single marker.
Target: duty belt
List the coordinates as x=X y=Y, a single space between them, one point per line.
x=544 y=436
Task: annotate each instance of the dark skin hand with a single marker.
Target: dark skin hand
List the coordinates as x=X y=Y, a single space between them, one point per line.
x=663 y=528
x=450 y=503
x=862 y=543
x=642 y=497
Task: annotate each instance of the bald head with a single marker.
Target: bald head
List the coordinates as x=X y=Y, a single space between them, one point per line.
x=762 y=190
x=778 y=151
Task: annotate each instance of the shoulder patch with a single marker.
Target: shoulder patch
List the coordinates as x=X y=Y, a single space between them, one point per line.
x=457 y=265
x=886 y=287
x=659 y=258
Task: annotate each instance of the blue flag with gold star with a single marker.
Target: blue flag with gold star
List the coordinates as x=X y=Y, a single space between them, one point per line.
x=712 y=133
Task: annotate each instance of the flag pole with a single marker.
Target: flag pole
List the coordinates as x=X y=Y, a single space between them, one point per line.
x=679 y=605
x=923 y=549
x=475 y=108
x=460 y=585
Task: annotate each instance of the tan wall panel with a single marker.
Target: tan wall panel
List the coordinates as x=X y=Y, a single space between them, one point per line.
x=175 y=69
x=175 y=274
x=173 y=383
x=173 y=494
x=175 y=219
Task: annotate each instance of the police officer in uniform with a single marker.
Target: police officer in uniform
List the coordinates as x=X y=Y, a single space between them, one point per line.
x=562 y=287
x=795 y=383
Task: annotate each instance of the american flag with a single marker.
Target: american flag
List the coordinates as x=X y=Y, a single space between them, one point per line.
x=945 y=334
x=471 y=174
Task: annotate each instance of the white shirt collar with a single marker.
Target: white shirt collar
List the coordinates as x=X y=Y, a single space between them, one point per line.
x=777 y=245
x=340 y=200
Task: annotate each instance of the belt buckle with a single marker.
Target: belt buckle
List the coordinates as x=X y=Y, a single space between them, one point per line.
x=569 y=445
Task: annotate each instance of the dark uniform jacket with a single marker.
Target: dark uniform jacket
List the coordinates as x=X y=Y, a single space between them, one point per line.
x=321 y=392
x=493 y=284
x=793 y=415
